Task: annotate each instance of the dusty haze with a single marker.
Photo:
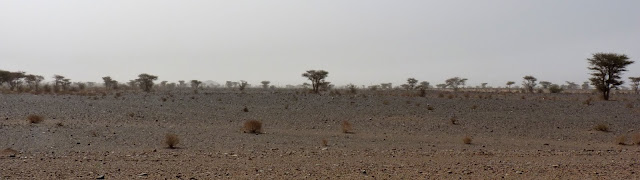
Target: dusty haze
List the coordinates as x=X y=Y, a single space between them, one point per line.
x=362 y=42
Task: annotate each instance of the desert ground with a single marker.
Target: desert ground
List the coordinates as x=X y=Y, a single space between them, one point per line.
x=395 y=135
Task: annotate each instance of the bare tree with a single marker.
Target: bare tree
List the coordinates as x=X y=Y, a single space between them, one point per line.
x=529 y=83
x=265 y=84
x=146 y=81
x=317 y=78
x=606 y=71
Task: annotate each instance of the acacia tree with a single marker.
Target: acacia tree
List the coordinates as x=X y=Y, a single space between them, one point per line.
x=58 y=81
x=109 y=83
x=585 y=85
x=606 y=71
x=545 y=84
x=411 y=83
x=509 y=83
x=242 y=85
x=265 y=84
x=455 y=82
x=146 y=81
x=635 y=82
x=317 y=78
x=195 y=84
x=34 y=80
x=529 y=83
x=424 y=85
x=15 y=79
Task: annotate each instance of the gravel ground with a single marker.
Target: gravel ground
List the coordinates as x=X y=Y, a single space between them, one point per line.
x=396 y=135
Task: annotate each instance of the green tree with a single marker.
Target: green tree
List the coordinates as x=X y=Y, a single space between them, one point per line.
x=265 y=84
x=606 y=71
x=529 y=83
x=317 y=79
x=145 y=81
x=195 y=84
x=635 y=82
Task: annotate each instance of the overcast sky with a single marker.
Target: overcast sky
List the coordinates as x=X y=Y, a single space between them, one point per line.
x=358 y=41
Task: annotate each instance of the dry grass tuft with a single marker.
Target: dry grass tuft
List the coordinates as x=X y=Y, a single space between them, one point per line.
x=325 y=143
x=440 y=95
x=587 y=102
x=523 y=97
x=450 y=96
x=429 y=107
x=601 y=127
x=35 y=119
x=474 y=107
x=621 y=140
x=346 y=127
x=245 y=109
x=171 y=140
x=635 y=138
x=131 y=114
x=466 y=140
x=629 y=105
x=385 y=102
x=253 y=126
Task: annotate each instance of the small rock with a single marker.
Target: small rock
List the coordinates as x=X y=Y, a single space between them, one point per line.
x=555 y=165
x=143 y=174
x=100 y=177
x=324 y=149
x=518 y=172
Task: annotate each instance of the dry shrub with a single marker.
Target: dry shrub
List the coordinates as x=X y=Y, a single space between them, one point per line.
x=629 y=105
x=474 y=107
x=385 y=102
x=454 y=120
x=346 y=127
x=325 y=143
x=601 y=127
x=171 y=140
x=621 y=140
x=9 y=152
x=587 y=102
x=429 y=107
x=635 y=138
x=253 y=126
x=466 y=95
x=440 y=95
x=522 y=97
x=466 y=140
x=131 y=114
x=59 y=124
x=245 y=109
x=35 y=119
x=450 y=96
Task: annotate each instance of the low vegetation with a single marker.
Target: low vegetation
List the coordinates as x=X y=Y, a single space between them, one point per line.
x=346 y=127
x=253 y=126
x=466 y=140
x=601 y=127
x=35 y=119
x=171 y=140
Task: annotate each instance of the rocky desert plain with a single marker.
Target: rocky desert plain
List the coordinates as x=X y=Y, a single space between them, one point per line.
x=394 y=134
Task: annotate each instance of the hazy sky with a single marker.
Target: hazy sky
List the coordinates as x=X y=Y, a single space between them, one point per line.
x=358 y=41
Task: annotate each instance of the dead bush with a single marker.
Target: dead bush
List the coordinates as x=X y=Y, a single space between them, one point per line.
x=171 y=140
x=474 y=107
x=587 y=102
x=346 y=127
x=454 y=120
x=621 y=140
x=635 y=138
x=466 y=140
x=253 y=126
x=35 y=119
x=601 y=127
x=245 y=109
x=385 y=102
x=325 y=143
x=629 y=105
x=429 y=107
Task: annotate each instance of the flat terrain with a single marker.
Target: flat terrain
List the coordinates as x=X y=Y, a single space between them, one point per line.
x=396 y=135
